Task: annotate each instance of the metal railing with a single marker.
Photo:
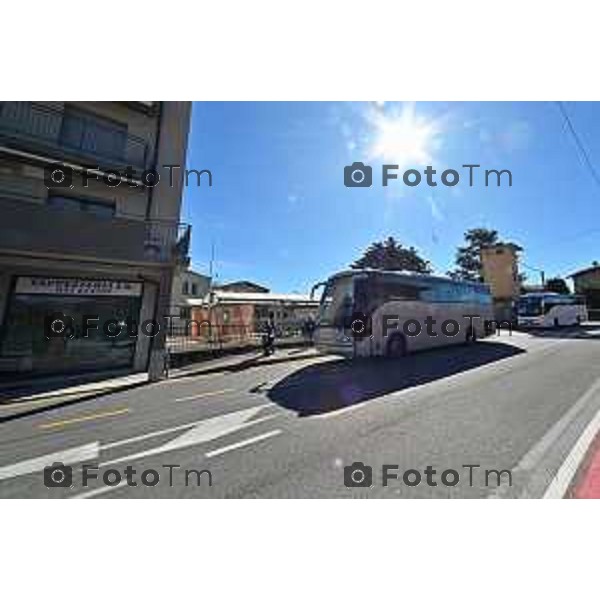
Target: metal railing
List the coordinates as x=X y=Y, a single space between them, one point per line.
x=166 y=241
x=182 y=339
x=39 y=127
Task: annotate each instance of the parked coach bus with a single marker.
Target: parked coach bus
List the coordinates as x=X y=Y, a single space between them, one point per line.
x=550 y=310
x=390 y=313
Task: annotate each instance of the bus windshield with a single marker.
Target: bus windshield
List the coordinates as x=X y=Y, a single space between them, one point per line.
x=530 y=307
x=337 y=301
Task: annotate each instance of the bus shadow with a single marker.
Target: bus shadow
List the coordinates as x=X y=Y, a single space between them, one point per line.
x=581 y=332
x=332 y=385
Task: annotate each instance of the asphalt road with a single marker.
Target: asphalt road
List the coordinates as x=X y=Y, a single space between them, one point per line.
x=516 y=404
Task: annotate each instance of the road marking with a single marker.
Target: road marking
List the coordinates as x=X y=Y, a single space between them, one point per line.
x=202 y=431
x=98 y=491
x=243 y=443
x=536 y=453
x=339 y=411
x=560 y=482
x=32 y=465
x=204 y=395
x=101 y=415
x=153 y=434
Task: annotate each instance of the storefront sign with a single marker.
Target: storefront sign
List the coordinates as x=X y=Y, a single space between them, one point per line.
x=77 y=287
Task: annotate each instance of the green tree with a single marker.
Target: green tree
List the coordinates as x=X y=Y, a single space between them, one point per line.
x=558 y=285
x=468 y=257
x=392 y=256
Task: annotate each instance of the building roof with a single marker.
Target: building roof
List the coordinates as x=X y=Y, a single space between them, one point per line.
x=584 y=271
x=501 y=245
x=224 y=297
x=243 y=283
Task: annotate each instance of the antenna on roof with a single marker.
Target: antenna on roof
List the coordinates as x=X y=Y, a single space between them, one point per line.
x=212 y=259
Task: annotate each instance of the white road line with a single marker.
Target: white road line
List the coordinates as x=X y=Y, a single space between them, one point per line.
x=204 y=395
x=201 y=432
x=336 y=412
x=152 y=434
x=98 y=491
x=534 y=456
x=243 y=443
x=70 y=456
x=560 y=482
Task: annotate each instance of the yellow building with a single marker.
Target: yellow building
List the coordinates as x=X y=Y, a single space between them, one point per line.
x=500 y=271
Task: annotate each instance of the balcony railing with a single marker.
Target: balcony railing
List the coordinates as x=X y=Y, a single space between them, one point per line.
x=32 y=227
x=167 y=241
x=40 y=128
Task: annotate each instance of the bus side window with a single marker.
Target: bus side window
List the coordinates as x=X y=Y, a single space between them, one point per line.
x=401 y=291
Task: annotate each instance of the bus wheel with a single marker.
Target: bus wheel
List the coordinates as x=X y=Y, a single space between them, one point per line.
x=396 y=347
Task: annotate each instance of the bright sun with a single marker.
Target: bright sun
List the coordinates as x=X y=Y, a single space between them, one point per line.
x=404 y=138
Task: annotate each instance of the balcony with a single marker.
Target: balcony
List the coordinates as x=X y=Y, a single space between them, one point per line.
x=32 y=228
x=167 y=242
x=70 y=136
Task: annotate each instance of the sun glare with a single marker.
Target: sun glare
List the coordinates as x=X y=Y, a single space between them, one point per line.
x=404 y=138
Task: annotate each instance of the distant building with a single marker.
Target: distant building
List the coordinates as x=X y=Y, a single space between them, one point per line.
x=239 y=315
x=187 y=285
x=533 y=288
x=242 y=286
x=500 y=271
x=587 y=283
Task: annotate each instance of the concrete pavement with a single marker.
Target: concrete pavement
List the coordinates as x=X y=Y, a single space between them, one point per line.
x=512 y=408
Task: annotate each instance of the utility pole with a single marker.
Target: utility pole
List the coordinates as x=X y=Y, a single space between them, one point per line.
x=540 y=271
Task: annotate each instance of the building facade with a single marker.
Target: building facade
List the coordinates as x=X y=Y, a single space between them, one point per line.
x=74 y=242
x=188 y=285
x=238 y=316
x=500 y=271
x=587 y=284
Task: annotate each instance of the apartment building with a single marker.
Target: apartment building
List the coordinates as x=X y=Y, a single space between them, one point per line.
x=79 y=245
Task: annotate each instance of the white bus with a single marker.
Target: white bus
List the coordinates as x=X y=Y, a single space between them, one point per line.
x=550 y=310
x=369 y=312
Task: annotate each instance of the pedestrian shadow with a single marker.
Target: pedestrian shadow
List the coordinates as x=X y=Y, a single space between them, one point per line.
x=329 y=386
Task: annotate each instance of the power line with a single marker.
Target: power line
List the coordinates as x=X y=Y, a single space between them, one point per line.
x=585 y=159
x=579 y=143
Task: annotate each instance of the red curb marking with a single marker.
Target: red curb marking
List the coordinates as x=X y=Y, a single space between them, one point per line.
x=588 y=484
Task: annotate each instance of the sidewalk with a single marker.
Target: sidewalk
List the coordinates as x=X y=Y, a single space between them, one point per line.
x=44 y=394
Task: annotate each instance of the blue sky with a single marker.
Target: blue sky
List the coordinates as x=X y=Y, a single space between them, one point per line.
x=279 y=213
